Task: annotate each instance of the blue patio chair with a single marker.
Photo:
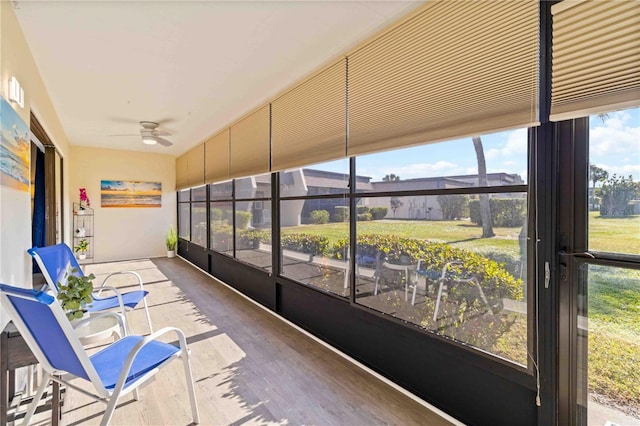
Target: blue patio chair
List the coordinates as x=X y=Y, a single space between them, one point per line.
x=115 y=371
x=56 y=260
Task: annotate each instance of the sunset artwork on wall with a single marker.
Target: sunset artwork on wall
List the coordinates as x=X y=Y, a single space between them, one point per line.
x=119 y=193
x=15 y=153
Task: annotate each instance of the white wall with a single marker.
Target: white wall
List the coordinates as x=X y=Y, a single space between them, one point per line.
x=15 y=206
x=124 y=233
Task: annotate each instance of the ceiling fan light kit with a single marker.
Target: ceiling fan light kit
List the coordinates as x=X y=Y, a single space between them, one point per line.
x=151 y=134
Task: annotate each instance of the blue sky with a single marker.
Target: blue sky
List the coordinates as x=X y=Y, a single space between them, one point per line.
x=614 y=146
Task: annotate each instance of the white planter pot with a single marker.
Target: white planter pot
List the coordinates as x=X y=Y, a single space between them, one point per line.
x=171 y=253
x=82 y=256
x=80 y=212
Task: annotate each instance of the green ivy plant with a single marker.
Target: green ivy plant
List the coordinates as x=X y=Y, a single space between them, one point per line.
x=76 y=294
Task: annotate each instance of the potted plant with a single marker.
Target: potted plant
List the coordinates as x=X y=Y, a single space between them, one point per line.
x=76 y=294
x=171 y=241
x=81 y=249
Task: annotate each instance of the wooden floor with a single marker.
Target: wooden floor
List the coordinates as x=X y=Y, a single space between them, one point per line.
x=249 y=367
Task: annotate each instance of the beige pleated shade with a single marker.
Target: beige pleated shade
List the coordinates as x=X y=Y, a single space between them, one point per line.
x=309 y=122
x=596 y=57
x=216 y=163
x=250 y=152
x=181 y=172
x=455 y=69
x=195 y=166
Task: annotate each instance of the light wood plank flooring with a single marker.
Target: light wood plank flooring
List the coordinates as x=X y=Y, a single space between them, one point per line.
x=249 y=367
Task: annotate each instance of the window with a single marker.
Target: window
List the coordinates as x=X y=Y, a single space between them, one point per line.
x=199 y=216
x=422 y=252
x=253 y=220
x=314 y=223
x=221 y=217
x=184 y=214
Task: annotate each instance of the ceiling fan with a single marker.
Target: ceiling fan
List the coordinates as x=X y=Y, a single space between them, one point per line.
x=151 y=135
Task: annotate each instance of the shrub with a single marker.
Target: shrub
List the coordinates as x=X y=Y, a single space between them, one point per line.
x=378 y=213
x=453 y=207
x=496 y=281
x=616 y=193
x=305 y=243
x=340 y=214
x=216 y=214
x=242 y=219
x=363 y=209
x=364 y=216
x=505 y=212
x=250 y=238
x=319 y=217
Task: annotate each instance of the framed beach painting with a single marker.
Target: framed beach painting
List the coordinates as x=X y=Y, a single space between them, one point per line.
x=121 y=193
x=15 y=149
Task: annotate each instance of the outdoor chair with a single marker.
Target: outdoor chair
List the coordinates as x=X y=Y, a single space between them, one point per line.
x=55 y=261
x=114 y=371
x=450 y=276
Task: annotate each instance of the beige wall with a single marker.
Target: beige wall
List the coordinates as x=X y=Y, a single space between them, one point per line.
x=15 y=206
x=124 y=233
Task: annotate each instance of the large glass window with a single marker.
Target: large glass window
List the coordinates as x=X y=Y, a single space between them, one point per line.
x=441 y=254
x=221 y=217
x=199 y=216
x=253 y=220
x=184 y=214
x=314 y=223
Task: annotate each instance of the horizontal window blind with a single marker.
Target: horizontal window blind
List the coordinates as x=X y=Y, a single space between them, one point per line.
x=309 y=122
x=195 y=166
x=216 y=164
x=596 y=57
x=181 y=172
x=250 y=146
x=455 y=69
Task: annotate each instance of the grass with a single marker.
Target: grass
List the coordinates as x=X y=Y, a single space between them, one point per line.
x=614 y=235
x=614 y=334
x=458 y=233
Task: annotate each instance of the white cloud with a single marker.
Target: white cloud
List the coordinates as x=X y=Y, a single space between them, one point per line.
x=616 y=134
x=623 y=170
x=514 y=151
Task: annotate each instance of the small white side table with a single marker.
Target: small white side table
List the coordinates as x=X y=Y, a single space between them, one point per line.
x=99 y=329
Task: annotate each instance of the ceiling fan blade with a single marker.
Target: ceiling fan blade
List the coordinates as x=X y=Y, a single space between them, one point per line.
x=161 y=132
x=163 y=141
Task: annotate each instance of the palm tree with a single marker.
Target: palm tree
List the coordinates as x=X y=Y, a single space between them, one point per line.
x=485 y=208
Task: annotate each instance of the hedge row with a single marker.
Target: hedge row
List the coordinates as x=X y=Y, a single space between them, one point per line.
x=505 y=212
x=497 y=281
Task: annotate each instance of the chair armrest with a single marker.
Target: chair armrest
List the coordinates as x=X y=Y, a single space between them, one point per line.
x=121 y=321
x=145 y=341
x=122 y=273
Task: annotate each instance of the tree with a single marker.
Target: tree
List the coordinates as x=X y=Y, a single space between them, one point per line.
x=596 y=174
x=617 y=192
x=395 y=204
x=485 y=208
x=391 y=178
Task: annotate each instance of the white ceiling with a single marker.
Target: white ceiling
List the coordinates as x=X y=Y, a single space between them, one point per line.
x=193 y=66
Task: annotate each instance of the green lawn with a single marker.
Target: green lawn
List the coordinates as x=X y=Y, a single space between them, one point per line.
x=458 y=233
x=615 y=235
